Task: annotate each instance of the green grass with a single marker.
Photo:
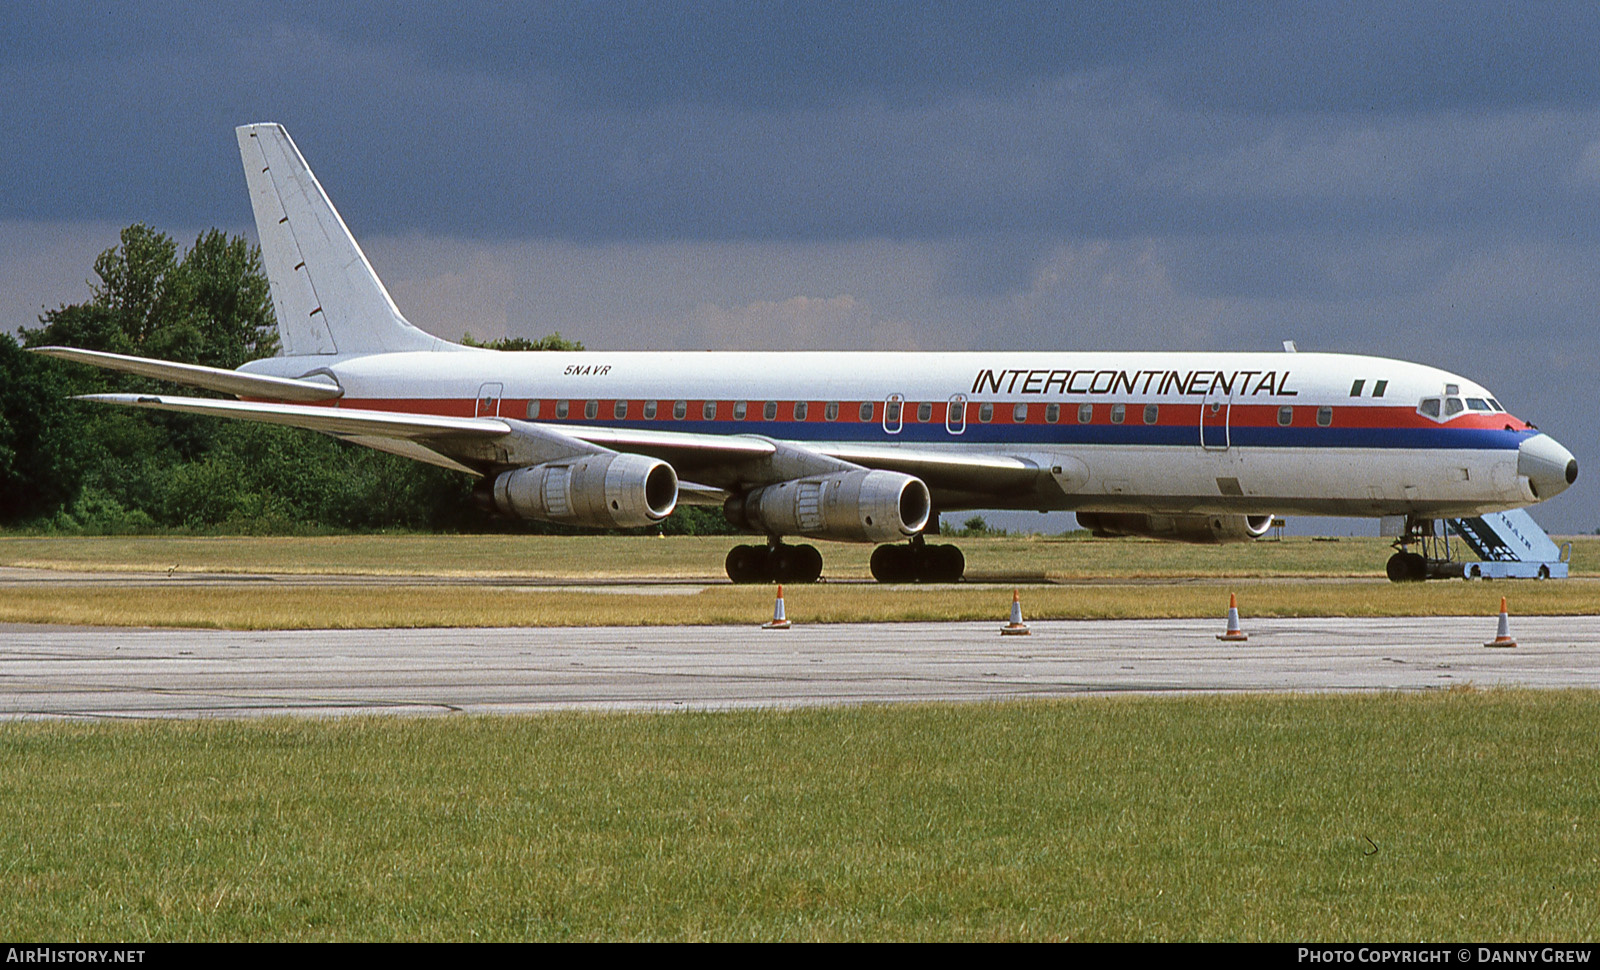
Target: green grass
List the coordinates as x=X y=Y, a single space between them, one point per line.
x=1239 y=818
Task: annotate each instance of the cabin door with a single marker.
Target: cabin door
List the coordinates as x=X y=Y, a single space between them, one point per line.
x=489 y=401
x=1214 y=412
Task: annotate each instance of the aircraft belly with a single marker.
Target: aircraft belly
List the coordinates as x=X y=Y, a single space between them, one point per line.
x=1347 y=481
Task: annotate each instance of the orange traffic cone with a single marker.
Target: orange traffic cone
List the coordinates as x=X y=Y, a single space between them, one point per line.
x=1016 y=628
x=1502 y=637
x=779 y=621
x=1233 y=633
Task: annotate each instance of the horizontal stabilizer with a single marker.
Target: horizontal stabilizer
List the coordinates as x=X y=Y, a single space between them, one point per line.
x=329 y=420
x=197 y=375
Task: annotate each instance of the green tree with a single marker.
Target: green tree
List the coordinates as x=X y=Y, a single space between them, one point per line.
x=211 y=307
x=552 y=341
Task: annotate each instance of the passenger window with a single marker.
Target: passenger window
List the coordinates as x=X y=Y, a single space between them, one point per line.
x=865 y=412
x=1286 y=415
x=986 y=413
x=1019 y=414
x=740 y=409
x=1324 y=416
x=925 y=411
x=1118 y=412
x=533 y=410
x=831 y=412
x=561 y=409
x=708 y=410
x=649 y=410
x=1085 y=413
x=680 y=410
x=591 y=410
x=1429 y=407
x=1152 y=412
x=800 y=409
x=1052 y=413
x=891 y=412
x=620 y=410
x=770 y=411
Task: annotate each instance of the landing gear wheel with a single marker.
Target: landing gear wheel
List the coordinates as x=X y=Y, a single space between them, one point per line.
x=918 y=563
x=1406 y=567
x=943 y=564
x=777 y=563
x=747 y=564
x=795 y=564
x=892 y=564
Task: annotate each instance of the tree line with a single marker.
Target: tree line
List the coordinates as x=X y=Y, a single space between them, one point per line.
x=78 y=467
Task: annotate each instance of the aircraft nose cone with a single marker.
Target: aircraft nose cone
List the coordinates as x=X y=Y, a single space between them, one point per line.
x=1549 y=467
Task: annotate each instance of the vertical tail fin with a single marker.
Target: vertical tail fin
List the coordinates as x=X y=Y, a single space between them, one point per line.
x=327 y=297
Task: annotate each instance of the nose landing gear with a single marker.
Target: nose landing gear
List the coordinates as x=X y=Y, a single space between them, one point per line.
x=1433 y=559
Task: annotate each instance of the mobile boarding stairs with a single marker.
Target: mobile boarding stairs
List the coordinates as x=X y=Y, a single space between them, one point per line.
x=1509 y=545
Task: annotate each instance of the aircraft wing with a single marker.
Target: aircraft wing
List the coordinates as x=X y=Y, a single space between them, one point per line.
x=452 y=442
x=942 y=469
x=951 y=471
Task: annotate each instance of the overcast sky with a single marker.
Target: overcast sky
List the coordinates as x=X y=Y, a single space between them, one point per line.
x=1410 y=180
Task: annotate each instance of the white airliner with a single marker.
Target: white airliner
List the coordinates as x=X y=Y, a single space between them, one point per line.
x=857 y=447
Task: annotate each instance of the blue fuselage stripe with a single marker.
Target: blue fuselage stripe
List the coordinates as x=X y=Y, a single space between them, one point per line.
x=1068 y=435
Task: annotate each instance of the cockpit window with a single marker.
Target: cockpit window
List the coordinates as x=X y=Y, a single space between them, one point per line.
x=1453 y=406
x=1478 y=404
x=1429 y=406
x=1495 y=404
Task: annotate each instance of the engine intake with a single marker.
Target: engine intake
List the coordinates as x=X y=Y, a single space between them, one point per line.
x=1210 y=529
x=857 y=506
x=613 y=491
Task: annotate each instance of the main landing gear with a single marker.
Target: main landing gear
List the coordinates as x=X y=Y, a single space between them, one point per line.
x=918 y=562
x=778 y=562
x=775 y=562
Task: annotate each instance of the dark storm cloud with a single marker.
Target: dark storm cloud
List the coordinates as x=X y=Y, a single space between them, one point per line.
x=813 y=121
x=1256 y=57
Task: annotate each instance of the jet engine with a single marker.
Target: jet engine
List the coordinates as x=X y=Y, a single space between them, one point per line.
x=610 y=490
x=1209 y=529
x=857 y=506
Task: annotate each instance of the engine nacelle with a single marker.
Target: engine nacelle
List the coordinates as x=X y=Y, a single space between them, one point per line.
x=612 y=491
x=1209 y=529
x=857 y=506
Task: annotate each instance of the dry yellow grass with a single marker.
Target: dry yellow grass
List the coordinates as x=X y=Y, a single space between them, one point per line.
x=350 y=607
